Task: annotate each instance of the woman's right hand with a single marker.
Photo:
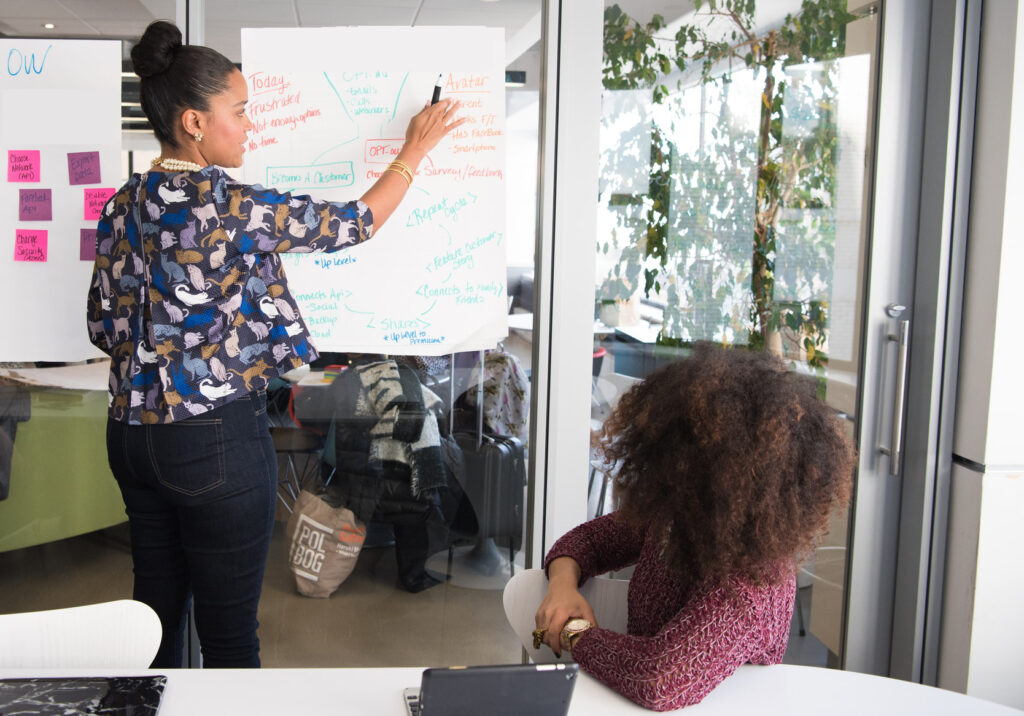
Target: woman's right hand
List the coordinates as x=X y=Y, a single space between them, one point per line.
x=430 y=125
x=562 y=602
x=426 y=129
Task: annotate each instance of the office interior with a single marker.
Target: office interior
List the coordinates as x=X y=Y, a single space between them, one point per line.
x=632 y=211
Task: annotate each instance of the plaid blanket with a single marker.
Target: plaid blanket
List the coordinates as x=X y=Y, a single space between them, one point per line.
x=406 y=430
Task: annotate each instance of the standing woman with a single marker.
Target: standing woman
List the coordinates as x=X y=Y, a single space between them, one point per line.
x=190 y=301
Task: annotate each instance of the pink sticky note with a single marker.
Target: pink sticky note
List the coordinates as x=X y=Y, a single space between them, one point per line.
x=94 y=201
x=83 y=168
x=35 y=205
x=29 y=245
x=23 y=165
x=87 y=251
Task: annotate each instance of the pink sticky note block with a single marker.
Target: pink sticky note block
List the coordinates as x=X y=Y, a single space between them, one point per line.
x=83 y=168
x=94 y=201
x=87 y=251
x=23 y=165
x=29 y=245
x=35 y=205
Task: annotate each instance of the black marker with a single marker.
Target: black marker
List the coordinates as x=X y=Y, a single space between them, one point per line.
x=437 y=91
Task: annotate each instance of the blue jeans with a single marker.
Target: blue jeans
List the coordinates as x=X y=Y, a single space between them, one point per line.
x=200 y=496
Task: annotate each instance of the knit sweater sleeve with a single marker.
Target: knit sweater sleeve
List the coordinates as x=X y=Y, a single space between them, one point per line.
x=708 y=639
x=599 y=546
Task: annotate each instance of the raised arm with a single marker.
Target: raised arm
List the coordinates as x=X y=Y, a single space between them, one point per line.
x=266 y=220
x=425 y=130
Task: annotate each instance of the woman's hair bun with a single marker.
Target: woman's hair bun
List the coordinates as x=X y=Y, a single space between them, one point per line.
x=154 y=52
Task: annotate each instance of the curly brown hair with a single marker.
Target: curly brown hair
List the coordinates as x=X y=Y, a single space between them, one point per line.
x=731 y=458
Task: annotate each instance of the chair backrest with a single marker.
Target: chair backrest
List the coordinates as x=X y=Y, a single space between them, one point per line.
x=525 y=591
x=115 y=635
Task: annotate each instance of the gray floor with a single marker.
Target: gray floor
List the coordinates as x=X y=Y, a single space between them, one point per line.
x=369 y=621
x=805 y=650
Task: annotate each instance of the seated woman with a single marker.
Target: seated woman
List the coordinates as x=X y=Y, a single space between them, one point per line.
x=726 y=469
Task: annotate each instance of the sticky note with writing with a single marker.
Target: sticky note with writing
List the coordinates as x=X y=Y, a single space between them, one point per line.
x=23 y=165
x=83 y=168
x=29 y=245
x=94 y=201
x=87 y=251
x=35 y=205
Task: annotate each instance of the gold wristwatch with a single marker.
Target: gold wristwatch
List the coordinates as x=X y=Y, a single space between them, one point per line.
x=572 y=631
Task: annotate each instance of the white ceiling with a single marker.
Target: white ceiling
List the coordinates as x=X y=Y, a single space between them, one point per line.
x=126 y=19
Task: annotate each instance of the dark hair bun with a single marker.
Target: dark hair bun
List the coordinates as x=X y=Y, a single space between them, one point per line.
x=154 y=52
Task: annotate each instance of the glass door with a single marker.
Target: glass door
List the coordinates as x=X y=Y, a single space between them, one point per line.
x=733 y=209
x=750 y=194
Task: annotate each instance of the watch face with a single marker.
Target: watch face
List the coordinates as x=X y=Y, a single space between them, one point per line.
x=577 y=624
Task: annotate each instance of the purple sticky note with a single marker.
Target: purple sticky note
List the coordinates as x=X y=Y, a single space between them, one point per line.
x=23 y=165
x=35 y=205
x=87 y=251
x=83 y=168
x=29 y=245
x=94 y=201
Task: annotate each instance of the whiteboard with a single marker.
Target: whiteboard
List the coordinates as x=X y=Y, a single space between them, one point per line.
x=57 y=98
x=329 y=108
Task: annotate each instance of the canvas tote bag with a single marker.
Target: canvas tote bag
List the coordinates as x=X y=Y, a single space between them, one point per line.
x=323 y=544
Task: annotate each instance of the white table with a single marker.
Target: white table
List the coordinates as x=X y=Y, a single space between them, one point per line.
x=763 y=690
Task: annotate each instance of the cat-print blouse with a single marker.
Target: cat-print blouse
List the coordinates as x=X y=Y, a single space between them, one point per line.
x=188 y=295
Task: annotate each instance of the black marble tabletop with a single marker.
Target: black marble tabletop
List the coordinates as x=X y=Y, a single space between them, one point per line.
x=71 y=696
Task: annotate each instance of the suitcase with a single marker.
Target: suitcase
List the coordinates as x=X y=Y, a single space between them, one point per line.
x=494 y=481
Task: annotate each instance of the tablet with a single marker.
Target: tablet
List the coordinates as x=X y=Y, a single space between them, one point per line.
x=501 y=690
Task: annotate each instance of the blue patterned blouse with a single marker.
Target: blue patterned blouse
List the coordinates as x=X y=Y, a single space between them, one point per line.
x=188 y=295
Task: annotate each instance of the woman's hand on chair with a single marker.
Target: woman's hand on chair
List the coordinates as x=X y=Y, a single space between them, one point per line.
x=562 y=602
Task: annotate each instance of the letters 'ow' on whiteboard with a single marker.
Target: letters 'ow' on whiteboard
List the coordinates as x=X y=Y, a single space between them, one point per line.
x=57 y=98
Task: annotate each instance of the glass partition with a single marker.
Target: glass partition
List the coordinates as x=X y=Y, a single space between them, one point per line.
x=63 y=535
x=732 y=209
x=426 y=588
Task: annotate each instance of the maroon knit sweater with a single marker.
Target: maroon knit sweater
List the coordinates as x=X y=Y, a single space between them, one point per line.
x=682 y=641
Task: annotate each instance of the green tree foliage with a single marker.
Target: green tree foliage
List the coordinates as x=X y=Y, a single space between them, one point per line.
x=699 y=205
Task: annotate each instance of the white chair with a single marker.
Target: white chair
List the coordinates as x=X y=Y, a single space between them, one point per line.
x=525 y=591
x=123 y=634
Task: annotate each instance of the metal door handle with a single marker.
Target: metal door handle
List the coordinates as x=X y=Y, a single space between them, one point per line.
x=895 y=449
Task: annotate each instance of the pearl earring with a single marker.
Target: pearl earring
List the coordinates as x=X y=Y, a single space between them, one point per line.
x=198 y=136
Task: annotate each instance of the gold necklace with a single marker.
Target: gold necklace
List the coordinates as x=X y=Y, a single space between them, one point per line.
x=176 y=165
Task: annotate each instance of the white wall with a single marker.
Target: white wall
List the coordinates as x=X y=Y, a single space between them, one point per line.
x=983 y=624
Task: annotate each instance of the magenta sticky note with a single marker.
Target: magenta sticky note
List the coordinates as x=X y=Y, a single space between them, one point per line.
x=83 y=168
x=23 y=165
x=29 y=245
x=94 y=201
x=87 y=251
x=35 y=205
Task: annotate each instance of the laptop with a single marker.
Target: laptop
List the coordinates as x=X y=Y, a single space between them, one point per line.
x=110 y=696
x=502 y=690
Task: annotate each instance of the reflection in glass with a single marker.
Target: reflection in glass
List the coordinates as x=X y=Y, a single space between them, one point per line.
x=373 y=619
x=731 y=209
